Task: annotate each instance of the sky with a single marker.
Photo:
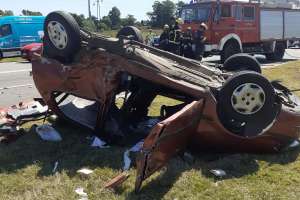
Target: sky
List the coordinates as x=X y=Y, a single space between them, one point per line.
x=138 y=8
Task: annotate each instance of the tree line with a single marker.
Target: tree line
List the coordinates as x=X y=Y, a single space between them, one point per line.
x=162 y=12
x=24 y=12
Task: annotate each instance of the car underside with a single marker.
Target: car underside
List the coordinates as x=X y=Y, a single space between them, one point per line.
x=82 y=76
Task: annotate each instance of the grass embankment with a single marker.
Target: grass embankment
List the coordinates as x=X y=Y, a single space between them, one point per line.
x=14 y=59
x=26 y=167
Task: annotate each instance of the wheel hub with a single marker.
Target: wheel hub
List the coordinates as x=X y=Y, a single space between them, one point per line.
x=57 y=34
x=248 y=99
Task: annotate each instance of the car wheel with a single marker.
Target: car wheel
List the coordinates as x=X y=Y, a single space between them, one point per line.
x=62 y=36
x=131 y=32
x=278 y=54
x=242 y=62
x=230 y=49
x=247 y=100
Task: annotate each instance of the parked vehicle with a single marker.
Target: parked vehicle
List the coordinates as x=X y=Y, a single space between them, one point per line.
x=29 y=50
x=18 y=31
x=232 y=108
x=239 y=26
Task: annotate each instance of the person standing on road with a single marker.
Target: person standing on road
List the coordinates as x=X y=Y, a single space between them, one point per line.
x=175 y=35
x=164 y=38
x=200 y=41
x=187 y=44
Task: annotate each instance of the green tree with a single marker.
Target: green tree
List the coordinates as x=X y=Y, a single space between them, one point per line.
x=79 y=18
x=31 y=13
x=6 y=13
x=106 y=20
x=179 y=6
x=115 y=17
x=129 y=21
x=162 y=13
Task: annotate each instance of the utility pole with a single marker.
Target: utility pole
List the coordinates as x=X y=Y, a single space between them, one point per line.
x=89 y=7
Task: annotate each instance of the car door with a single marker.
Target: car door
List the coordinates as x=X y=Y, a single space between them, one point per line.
x=248 y=26
x=224 y=25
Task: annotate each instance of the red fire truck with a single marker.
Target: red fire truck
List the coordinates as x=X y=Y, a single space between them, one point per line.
x=249 y=27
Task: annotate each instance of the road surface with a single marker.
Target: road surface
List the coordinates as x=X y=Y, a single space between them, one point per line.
x=16 y=84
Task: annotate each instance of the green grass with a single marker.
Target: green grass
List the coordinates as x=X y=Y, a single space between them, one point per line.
x=14 y=59
x=25 y=167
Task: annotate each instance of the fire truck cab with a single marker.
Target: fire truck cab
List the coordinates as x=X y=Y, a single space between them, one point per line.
x=239 y=26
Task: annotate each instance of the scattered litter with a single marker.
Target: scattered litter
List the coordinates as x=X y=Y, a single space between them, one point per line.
x=48 y=133
x=219 y=173
x=85 y=171
x=127 y=160
x=294 y=144
x=81 y=193
x=99 y=143
x=118 y=180
x=55 y=167
x=30 y=109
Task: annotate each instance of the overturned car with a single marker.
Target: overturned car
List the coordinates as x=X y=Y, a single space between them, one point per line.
x=228 y=108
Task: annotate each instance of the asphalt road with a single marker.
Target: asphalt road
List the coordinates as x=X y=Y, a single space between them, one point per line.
x=16 y=84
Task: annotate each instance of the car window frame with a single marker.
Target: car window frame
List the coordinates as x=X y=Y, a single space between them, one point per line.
x=6 y=34
x=243 y=13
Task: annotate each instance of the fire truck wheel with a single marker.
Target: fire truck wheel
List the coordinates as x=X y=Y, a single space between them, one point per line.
x=278 y=54
x=230 y=48
x=62 y=36
x=242 y=62
x=131 y=32
x=247 y=97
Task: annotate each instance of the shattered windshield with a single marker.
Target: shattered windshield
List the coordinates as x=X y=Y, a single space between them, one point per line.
x=197 y=13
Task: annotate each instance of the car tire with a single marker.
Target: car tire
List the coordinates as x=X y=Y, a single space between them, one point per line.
x=242 y=62
x=239 y=120
x=230 y=49
x=1 y=55
x=131 y=32
x=62 y=36
x=278 y=54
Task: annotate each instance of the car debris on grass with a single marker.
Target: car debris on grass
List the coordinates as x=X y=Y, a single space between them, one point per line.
x=222 y=109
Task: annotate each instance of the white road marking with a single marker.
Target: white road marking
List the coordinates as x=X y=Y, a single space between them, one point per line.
x=16 y=71
x=16 y=86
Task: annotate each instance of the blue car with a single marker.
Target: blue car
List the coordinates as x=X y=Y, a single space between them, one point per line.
x=18 y=31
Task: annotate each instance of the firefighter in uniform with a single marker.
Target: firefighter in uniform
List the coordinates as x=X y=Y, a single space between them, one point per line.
x=164 y=38
x=200 y=41
x=187 y=44
x=175 y=36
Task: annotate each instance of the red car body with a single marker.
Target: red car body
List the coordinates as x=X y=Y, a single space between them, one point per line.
x=29 y=50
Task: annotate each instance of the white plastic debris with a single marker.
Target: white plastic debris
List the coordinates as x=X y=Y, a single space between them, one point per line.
x=55 y=167
x=81 y=193
x=48 y=133
x=218 y=173
x=31 y=109
x=97 y=142
x=127 y=160
x=85 y=171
